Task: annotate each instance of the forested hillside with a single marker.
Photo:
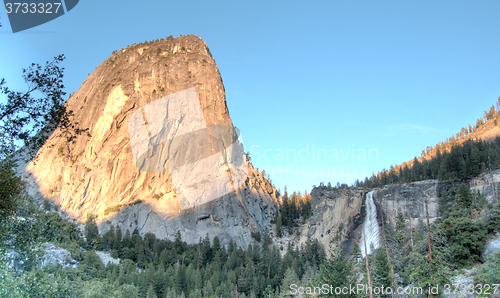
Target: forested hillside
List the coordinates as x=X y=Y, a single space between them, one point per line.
x=462 y=156
x=149 y=267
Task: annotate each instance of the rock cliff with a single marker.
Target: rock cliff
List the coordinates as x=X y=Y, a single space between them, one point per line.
x=335 y=212
x=99 y=173
x=410 y=198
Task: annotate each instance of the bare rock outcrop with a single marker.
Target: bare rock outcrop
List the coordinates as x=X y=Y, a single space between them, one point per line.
x=97 y=174
x=336 y=212
x=54 y=255
x=488 y=184
x=410 y=198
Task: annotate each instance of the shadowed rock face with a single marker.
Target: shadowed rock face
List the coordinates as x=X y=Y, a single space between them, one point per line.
x=410 y=198
x=332 y=210
x=98 y=174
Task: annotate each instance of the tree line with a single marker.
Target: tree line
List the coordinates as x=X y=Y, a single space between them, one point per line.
x=463 y=161
x=149 y=267
x=292 y=209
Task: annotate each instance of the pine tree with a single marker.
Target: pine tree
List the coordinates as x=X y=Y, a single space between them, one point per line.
x=141 y=257
x=216 y=244
x=290 y=279
x=98 y=243
x=151 y=292
x=126 y=291
x=381 y=273
x=160 y=281
x=279 y=227
x=285 y=212
x=127 y=242
x=356 y=252
x=206 y=250
x=269 y=292
x=117 y=243
x=109 y=237
x=491 y=112
x=142 y=284
x=208 y=290
x=180 y=279
x=91 y=231
x=337 y=272
x=464 y=196
x=400 y=226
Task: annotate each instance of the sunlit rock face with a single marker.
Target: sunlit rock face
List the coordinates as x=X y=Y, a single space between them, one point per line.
x=167 y=184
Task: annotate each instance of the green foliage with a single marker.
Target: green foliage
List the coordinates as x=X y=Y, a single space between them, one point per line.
x=98 y=289
x=464 y=197
x=412 y=262
x=117 y=241
x=464 y=235
x=291 y=278
x=422 y=274
x=466 y=238
x=138 y=201
x=488 y=272
x=109 y=238
x=46 y=204
x=279 y=226
x=91 y=266
x=493 y=219
x=30 y=228
x=381 y=273
x=10 y=189
x=356 y=252
x=56 y=229
x=93 y=239
x=292 y=209
x=256 y=236
x=337 y=272
x=24 y=114
x=126 y=291
x=193 y=271
x=115 y=208
x=35 y=283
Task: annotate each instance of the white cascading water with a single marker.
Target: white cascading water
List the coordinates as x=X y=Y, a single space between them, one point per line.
x=371 y=231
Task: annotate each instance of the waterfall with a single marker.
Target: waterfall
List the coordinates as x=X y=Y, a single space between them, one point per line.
x=370 y=226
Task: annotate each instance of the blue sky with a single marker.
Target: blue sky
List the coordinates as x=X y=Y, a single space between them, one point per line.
x=343 y=77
